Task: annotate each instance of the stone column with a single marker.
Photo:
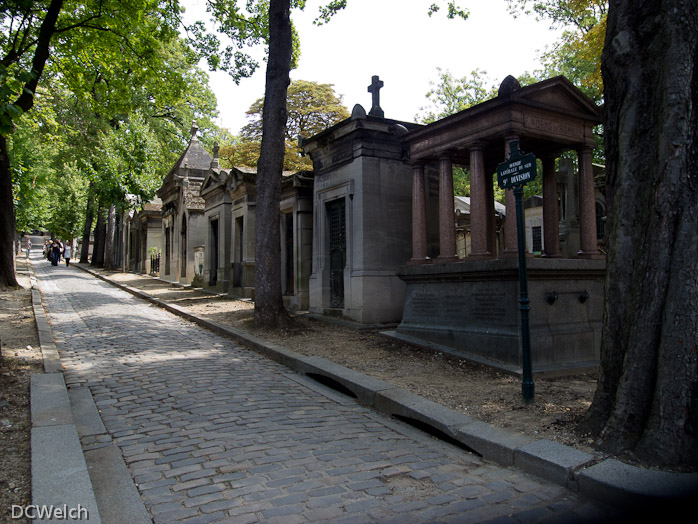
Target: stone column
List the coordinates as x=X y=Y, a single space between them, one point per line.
x=511 y=247
x=419 y=218
x=587 y=206
x=551 y=221
x=479 y=216
x=447 y=223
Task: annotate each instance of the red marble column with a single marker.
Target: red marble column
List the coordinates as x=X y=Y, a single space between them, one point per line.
x=419 y=217
x=587 y=206
x=479 y=217
x=511 y=247
x=551 y=220
x=447 y=223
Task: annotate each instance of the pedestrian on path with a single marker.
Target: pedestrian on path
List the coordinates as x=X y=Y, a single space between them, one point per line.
x=67 y=253
x=55 y=253
x=29 y=246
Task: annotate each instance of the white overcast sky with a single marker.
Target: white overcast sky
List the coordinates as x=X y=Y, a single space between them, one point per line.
x=396 y=40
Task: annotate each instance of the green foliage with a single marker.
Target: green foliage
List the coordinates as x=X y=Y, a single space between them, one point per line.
x=311 y=107
x=130 y=161
x=452 y=95
x=115 y=109
x=66 y=197
x=578 y=54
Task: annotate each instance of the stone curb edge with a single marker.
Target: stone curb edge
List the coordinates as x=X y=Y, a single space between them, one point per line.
x=606 y=480
x=59 y=473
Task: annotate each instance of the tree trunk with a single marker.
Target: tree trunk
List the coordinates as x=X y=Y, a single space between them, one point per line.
x=109 y=239
x=100 y=233
x=269 y=306
x=7 y=220
x=25 y=102
x=87 y=230
x=646 y=401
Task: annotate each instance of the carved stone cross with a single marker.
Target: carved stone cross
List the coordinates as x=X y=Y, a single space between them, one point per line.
x=374 y=89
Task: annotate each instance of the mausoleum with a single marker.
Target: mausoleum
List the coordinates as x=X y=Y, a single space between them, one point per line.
x=470 y=306
x=362 y=199
x=183 y=227
x=142 y=237
x=230 y=207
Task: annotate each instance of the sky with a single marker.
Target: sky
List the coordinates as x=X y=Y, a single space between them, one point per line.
x=399 y=42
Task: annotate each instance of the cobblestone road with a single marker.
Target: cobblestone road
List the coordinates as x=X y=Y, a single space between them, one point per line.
x=212 y=432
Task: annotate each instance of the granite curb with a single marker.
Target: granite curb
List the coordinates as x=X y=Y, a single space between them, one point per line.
x=59 y=473
x=603 y=479
x=81 y=483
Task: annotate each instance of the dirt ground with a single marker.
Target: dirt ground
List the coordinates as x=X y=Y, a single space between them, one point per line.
x=21 y=356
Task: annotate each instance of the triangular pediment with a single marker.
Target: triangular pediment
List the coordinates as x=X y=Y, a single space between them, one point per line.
x=559 y=94
x=212 y=179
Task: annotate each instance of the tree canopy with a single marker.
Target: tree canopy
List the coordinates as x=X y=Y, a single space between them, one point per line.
x=578 y=53
x=311 y=108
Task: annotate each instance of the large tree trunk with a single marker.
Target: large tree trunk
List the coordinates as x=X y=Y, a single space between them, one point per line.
x=99 y=235
x=25 y=102
x=269 y=307
x=109 y=239
x=7 y=220
x=646 y=402
x=87 y=230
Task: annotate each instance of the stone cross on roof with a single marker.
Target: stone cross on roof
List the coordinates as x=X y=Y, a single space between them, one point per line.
x=374 y=89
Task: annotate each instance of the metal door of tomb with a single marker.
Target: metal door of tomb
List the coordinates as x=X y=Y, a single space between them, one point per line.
x=338 y=246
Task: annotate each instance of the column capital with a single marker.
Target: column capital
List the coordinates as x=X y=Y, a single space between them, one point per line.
x=446 y=154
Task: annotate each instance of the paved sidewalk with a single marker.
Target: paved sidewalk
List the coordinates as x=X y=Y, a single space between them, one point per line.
x=213 y=432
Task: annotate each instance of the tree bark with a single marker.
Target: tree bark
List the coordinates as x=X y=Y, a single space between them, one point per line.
x=109 y=239
x=99 y=235
x=269 y=308
x=87 y=229
x=7 y=220
x=25 y=102
x=646 y=401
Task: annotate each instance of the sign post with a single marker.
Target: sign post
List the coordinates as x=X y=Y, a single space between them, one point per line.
x=514 y=173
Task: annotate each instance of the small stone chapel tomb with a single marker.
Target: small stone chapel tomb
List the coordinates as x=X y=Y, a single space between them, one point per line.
x=362 y=201
x=183 y=226
x=230 y=211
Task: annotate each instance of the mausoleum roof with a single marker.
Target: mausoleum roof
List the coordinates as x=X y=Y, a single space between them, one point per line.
x=549 y=117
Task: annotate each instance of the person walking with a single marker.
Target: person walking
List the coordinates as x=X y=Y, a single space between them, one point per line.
x=67 y=251
x=29 y=246
x=55 y=253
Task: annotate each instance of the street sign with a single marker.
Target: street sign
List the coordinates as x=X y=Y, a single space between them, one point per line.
x=518 y=170
x=514 y=173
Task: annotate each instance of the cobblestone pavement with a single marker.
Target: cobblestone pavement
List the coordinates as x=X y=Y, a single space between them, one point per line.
x=213 y=432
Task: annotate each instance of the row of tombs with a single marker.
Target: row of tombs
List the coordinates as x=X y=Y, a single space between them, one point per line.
x=374 y=233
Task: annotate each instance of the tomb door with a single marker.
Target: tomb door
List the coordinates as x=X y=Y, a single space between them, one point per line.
x=213 y=267
x=167 y=250
x=239 y=244
x=183 y=263
x=336 y=213
x=288 y=252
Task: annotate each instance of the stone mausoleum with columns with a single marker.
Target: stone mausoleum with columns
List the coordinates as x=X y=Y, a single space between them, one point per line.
x=470 y=307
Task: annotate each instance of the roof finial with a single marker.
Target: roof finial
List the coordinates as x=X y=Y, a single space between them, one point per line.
x=194 y=130
x=214 y=161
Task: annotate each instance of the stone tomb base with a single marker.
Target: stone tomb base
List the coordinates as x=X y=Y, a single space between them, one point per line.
x=470 y=309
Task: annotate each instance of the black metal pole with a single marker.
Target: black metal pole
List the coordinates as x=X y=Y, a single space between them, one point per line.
x=527 y=386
